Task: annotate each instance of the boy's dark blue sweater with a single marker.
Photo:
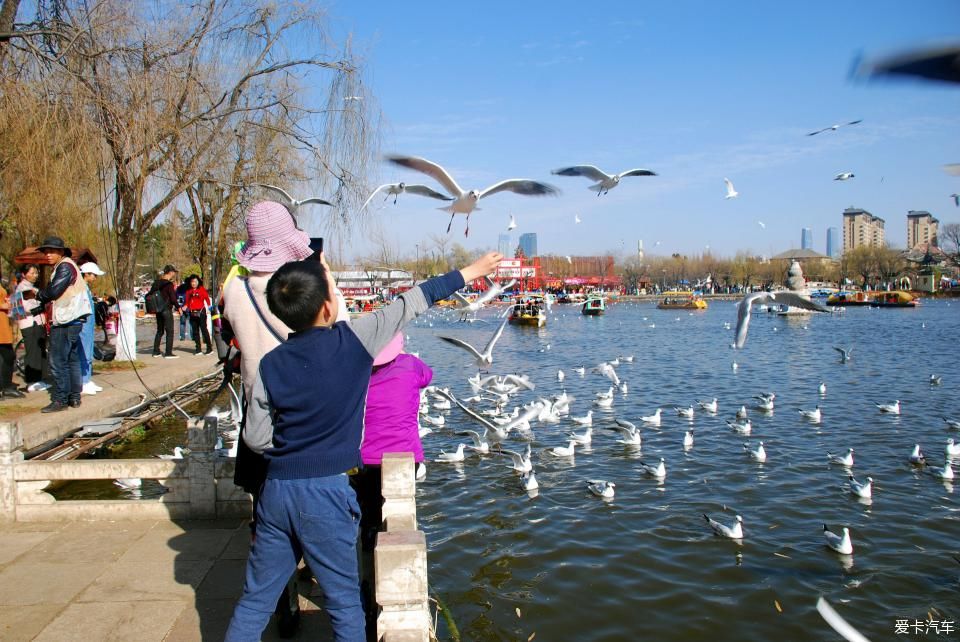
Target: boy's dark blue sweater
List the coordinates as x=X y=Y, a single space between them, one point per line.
x=311 y=389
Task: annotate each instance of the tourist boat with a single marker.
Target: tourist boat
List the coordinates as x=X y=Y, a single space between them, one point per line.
x=846 y=298
x=894 y=299
x=682 y=301
x=529 y=310
x=594 y=306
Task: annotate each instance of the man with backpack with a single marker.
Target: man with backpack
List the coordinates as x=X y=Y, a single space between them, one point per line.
x=161 y=300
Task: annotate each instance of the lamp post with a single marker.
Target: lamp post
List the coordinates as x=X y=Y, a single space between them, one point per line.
x=416 y=266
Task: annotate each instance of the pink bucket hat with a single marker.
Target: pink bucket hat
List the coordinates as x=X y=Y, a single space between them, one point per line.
x=390 y=351
x=272 y=238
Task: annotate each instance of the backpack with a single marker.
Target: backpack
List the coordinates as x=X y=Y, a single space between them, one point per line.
x=18 y=310
x=155 y=302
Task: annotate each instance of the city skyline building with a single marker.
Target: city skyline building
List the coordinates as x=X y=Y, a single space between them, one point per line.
x=806 y=239
x=528 y=243
x=861 y=229
x=922 y=228
x=504 y=244
x=833 y=242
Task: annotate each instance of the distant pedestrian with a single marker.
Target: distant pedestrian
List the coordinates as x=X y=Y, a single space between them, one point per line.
x=186 y=332
x=196 y=300
x=33 y=329
x=71 y=306
x=90 y=272
x=7 y=389
x=164 y=297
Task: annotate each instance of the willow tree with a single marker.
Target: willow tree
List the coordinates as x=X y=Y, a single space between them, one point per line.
x=167 y=84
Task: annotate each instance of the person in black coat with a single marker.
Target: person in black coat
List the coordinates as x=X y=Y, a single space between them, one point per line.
x=168 y=301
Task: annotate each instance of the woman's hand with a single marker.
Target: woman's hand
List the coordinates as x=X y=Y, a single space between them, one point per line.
x=486 y=264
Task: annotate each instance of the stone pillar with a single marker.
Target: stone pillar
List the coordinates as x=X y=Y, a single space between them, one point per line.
x=398 y=478
x=127 y=331
x=201 y=441
x=10 y=441
x=400 y=560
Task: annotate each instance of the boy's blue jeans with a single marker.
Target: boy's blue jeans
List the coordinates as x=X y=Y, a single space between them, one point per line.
x=318 y=518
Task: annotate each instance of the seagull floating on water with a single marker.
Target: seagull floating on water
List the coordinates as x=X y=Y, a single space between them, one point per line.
x=563 y=451
x=659 y=471
x=480 y=444
x=758 y=454
x=842 y=545
x=945 y=473
x=845 y=461
x=520 y=463
x=686 y=413
x=733 y=532
x=742 y=413
x=128 y=483
x=630 y=435
x=529 y=481
x=605 y=182
x=891 y=408
x=731 y=193
x=822 y=389
x=177 y=454
x=465 y=202
x=952 y=449
x=917 y=457
x=743 y=427
x=935 y=380
x=601 y=488
x=953 y=424
x=452 y=457
x=709 y=406
x=583 y=438
x=861 y=490
x=811 y=415
x=560 y=376
x=688 y=439
x=437 y=421
x=586 y=420
x=396 y=189
x=484 y=358
x=791 y=299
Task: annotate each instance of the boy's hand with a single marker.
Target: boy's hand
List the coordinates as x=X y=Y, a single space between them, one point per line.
x=486 y=264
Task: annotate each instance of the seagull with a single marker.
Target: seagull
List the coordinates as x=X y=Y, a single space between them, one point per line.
x=685 y=412
x=659 y=471
x=451 y=457
x=653 y=420
x=128 y=483
x=442 y=405
x=493 y=290
x=952 y=449
x=608 y=371
x=606 y=182
x=466 y=202
x=935 y=380
x=833 y=128
x=560 y=376
x=731 y=193
x=787 y=298
x=480 y=444
x=743 y=427
x=580 y=371
x=438 y=421
x=424 y=431
x=742 y=413
x=177 y=454
x=765 y=405
x=627 y=359
x=290 y=202
x=891 y=408
x=601 y=488
x=606 y=395
x=822 y=389
x=759 y=454
x=396 y=189
x=563 y=451
x=766 y=396
x=513 y=224
x=569 y=259
x=845 y=461
x=583 y=438
x=861 y=490
x=494 y=432
x=529 y=481
x=952 y=423
x=956 y=199
x=945 y=473
x=623 y=387
x=842 y=545
x=762 y=225
x=604 y=402
x=811 y=415
x=520 y=463
x=916 y=456
x=709 y=406
x=486 y=357
x=845 y=354
x=733 y=532
x=630 y=433
x=586 y=420
x=576 y=219
x=421 y=471
x=688 y=439
x=843 y=176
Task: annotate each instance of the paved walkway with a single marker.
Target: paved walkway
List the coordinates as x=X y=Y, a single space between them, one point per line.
x=121 y=389
x=143 y=581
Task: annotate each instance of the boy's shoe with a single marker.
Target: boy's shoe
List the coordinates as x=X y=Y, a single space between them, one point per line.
x=38 y=386
x=13 y=393
x=208 y=351
x=157 y=354
x=88 y=389
x=171 y=356
x=74 y=403
x=95 y=386
x=54 y=406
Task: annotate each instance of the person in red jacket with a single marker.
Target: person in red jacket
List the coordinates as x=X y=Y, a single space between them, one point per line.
x=195 y=303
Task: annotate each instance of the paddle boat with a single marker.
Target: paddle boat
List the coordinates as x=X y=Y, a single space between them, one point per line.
x=682 y=301
x=848 y=298
x=894 y=299
x=529 y=310
x=594 y=306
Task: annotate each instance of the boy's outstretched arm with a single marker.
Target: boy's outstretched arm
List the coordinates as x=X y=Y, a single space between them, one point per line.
x=377 y=329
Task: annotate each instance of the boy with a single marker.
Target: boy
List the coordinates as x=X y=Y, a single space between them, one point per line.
x=306 y=417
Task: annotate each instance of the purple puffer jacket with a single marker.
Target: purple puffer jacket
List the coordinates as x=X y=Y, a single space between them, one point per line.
x=393 y=401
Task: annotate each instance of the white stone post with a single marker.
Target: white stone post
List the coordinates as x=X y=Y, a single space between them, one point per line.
x=201 y=441
x=10 y=441
x=399 y=487
x=127 y=331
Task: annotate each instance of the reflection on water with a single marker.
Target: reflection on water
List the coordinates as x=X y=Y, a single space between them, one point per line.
x=646 y=565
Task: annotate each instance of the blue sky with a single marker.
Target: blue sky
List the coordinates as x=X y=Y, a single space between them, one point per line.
x=695 y=91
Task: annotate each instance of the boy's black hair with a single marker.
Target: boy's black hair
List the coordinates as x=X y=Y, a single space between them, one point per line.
x=296 y=292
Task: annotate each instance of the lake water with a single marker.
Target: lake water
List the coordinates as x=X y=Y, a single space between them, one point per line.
x=566 y=565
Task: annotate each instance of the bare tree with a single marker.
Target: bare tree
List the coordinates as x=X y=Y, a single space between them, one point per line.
x=950 y=243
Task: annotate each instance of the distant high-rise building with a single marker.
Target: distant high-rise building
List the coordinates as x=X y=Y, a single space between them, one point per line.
x=833 y=242
x=861 y=228
x=921 y=228
x=504 y=246
x=806 y=239
x=528 y=243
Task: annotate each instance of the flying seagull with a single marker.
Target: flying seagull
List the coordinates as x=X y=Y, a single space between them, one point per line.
x=465 y=202
x=788 y=298
x=484 y=358
x=845 y=354
x=396 y=189
x=293 y=204
x=605 y=182
x=843 y=176
x=493 y=290
x=956 y=199
x=833 y=128
x=762 y=224
x=731 y=193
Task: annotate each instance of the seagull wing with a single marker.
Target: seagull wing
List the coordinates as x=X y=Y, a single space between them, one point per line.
x=590 y=171
x=637 y=172
x=475 y=436
x=461 y=299
x=493 y=340
x=837 y=623
x=423 y=190
x=797 y=301
x=520 y=381
x=855 y=122
x=315 y=199
x=523 y=186
x=431 y=169
x=819 y=131
x=375 y=192
x=529 y=414
x=463 y=344
x=515 y=456
x=279 y=190
x=743 y=315
x=730 y=189
x=473 y=415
